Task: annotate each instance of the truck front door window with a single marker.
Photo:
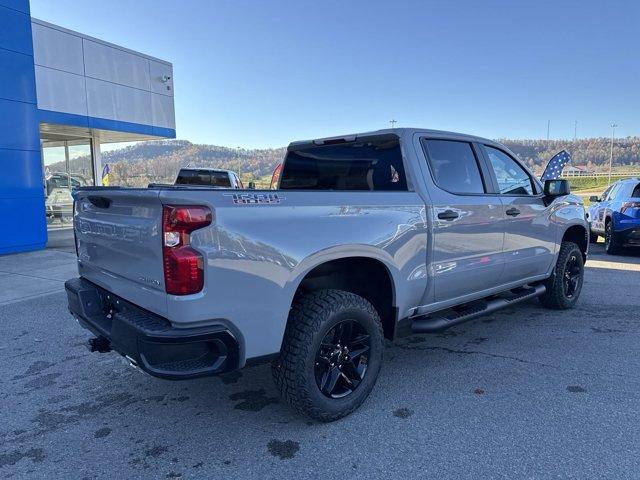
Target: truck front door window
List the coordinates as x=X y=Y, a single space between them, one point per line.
x=512 y=179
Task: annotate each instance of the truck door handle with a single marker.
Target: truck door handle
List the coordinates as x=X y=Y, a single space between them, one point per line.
x=513 y=212
x=448 y=215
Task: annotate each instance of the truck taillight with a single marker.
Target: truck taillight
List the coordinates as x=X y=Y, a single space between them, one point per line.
x=183 y=265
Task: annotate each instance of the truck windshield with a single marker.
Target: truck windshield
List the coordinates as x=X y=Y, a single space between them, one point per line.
x=374 y=164
x=203 y=177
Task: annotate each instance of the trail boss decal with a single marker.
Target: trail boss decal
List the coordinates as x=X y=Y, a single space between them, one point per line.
x=255 y=198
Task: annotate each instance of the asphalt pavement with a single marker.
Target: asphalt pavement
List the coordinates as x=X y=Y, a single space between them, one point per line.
x=522 y=393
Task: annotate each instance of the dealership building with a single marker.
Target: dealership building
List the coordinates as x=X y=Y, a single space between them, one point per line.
x=63 y=94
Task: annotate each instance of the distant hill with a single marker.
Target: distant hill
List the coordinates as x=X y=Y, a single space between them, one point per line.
x=159 y=161
x=592 y=152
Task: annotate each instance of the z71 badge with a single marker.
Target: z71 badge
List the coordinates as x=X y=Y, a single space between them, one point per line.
x=255 y=198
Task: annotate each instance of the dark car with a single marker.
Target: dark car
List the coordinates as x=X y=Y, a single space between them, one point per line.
x=209 y=177
x=616 y=215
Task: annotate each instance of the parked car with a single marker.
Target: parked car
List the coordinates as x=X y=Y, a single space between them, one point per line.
x=210 y=177
x=615 y=215
x=59 y=202
x=59 y=206
x=369 y=236
x=57 y=180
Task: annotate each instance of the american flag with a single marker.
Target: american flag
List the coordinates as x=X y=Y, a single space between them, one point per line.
x=556 y=165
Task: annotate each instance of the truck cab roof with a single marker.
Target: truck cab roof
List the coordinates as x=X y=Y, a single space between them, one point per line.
x=400 y=132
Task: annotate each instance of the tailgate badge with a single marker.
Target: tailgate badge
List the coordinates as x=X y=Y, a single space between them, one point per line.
x=150 y=281
x=255 y=198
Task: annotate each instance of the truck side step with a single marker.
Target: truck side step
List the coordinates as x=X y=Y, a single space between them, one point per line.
x=438 y=321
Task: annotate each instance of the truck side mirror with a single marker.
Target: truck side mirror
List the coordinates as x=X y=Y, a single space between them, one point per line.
x=594 y=199
x=556 y=188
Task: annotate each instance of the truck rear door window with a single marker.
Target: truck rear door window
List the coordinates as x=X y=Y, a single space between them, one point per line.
x=203 y=177
x=454 y=166
x=374 y=165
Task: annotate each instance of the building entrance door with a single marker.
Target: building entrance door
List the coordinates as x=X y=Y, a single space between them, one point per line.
x=66 y=164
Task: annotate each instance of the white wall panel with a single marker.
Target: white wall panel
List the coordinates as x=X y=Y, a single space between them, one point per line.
x=56 y=49
x=108 y=63
x=60 y=91
x=86 y=76
x=117 y=102
x=158 y=72
x=162 y=110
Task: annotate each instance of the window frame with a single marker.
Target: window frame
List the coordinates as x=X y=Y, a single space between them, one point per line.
x=538 y=190
x=615 y=188
x=486 y=185
x=379 y=137
x=605 y=194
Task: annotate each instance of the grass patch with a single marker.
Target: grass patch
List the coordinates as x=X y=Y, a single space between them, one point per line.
x=589 y=183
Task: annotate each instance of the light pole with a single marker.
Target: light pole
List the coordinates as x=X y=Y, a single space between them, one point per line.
x=613 y=134
x=548 y=129
x=239 y=162
x=393 y=123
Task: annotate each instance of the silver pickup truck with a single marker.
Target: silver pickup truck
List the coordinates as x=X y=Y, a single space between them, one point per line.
x=369 y=236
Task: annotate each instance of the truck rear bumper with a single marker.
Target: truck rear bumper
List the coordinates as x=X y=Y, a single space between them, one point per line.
x=150 y=341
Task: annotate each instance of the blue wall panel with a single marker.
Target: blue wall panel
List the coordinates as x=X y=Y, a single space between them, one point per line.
x=19 y=5
x=15 y=33
x=21 y=174
x=47 y=116
x=21 y=190
x=19 y=129
x=16 y=78
x=28 y=224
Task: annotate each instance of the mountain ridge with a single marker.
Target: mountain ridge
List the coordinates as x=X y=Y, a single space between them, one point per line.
x=160 y=160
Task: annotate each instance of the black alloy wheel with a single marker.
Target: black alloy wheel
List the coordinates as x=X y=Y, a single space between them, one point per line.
x=331 y=354
x=563 y=287
x=342 y=359
x=608 y=232
x=572 y=276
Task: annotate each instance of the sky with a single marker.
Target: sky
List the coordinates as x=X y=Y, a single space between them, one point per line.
x=251 y=73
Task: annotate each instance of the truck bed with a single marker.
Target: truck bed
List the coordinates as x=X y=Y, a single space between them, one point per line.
x=260 y=244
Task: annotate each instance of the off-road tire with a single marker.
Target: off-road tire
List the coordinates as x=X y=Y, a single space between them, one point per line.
x=555 y=296
x=311 y=317
x=611 y=241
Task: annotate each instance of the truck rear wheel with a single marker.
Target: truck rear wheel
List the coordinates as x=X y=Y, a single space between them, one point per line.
x=331 y=354
x=564 y=286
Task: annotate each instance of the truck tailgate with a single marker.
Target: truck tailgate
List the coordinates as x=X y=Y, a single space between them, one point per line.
x=119 y=241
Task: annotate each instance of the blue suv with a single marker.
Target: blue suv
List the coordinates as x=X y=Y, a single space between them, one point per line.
x=616 y=215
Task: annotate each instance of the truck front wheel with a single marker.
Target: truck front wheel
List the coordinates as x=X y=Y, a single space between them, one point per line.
x=564 y=286
x=331 y=354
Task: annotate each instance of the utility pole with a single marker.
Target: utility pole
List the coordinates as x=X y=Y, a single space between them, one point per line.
x=548 y=129
x=575 y=139
x=239 y=162
x=393 y=123
x=613 y=134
